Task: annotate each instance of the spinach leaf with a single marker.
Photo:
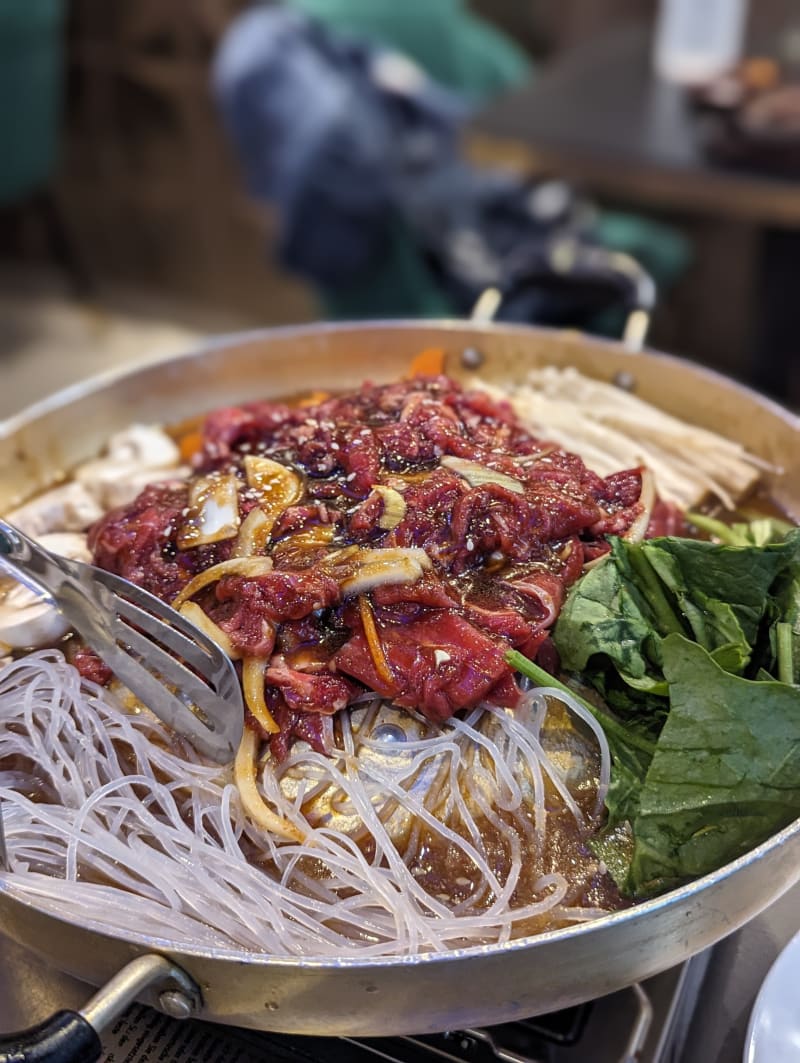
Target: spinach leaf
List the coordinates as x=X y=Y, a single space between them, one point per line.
x=725 y=774
x=619 y=613
x=664 y=631
x=705 y=761
x=607 y=615
x=705 y=578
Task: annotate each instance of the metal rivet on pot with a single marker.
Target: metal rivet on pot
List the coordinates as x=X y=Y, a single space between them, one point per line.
x=625 y=380
x=471 y=358
x=176 y=1004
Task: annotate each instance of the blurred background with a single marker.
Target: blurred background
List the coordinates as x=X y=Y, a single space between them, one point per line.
x=175 y=168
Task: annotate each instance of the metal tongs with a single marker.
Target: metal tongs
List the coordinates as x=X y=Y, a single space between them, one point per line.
x=163 y=659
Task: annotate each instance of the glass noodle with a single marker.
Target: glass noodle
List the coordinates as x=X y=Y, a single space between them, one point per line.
x=415 y=839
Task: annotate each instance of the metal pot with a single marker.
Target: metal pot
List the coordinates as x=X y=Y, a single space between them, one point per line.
x=418 y=994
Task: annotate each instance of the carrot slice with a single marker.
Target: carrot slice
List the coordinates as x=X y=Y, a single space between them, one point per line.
x=429 y=362
x=314 y=398
x=374 y=642
x=190 y=444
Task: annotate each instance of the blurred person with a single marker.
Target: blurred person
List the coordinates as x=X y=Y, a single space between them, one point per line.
x=358 y=150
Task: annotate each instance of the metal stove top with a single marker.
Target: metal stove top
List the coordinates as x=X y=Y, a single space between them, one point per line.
x=647 y=1023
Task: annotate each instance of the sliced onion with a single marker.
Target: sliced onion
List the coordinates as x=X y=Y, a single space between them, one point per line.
x=394 y=507
x=596 y=561
x=235 y=566
x=254 y=533
x=364 y=569
x=253 y=670
x=295 y=549
x=244 y=772
x=276 y=485
x=476 y=474
x=200 y=619
x=213 y=511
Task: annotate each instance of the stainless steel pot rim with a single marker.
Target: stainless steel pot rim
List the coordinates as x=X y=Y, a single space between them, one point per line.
x=321 y=329
x=688 y=893
x=674 y=898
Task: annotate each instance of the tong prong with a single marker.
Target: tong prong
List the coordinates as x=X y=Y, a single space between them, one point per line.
x=158 y=654
x=146 y=681
x=138 y=607
x=5 y=863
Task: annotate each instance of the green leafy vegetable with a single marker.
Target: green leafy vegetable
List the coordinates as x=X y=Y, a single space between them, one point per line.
x=725 y=774
x=620 y=612
x=631 y=748
x=608 y=614
x=708 y=576
x=784 y=645
x=684 y=639
x=758 y=532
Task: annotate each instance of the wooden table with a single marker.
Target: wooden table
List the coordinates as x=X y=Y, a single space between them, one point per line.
x=599 y=117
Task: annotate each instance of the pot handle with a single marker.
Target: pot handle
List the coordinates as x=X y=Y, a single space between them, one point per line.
x=65 y=1037
x=73 y=1036
x=566 y=259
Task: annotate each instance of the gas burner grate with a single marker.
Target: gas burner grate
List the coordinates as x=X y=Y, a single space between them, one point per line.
x=546 y=1039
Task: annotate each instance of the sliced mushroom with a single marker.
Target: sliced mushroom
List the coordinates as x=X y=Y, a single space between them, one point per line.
x=136 y=457
x=66 y=544
x=28 y=621
x=138 y=447
x=70 y=507
x=119 y=485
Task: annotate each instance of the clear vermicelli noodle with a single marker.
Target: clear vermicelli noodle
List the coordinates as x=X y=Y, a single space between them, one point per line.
x=415 y=838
